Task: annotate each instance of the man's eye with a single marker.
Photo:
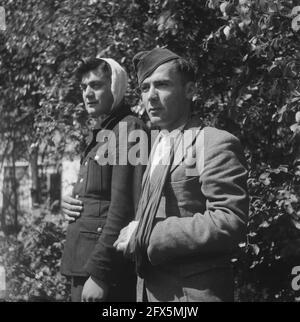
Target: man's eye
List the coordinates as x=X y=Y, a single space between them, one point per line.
x=144 y=88
x=92 y=85
x=162 y=84
x=95 y=85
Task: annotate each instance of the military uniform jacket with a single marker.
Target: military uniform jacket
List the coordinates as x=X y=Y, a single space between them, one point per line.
x=109 y=194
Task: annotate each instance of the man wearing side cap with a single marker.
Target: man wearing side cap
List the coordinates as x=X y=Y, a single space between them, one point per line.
x=193 y=208
x=105 y=196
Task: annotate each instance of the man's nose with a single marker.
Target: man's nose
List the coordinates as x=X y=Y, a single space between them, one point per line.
x=152 y=93
x=88 y=92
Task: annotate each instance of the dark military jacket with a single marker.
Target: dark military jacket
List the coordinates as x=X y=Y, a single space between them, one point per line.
x=109 y=194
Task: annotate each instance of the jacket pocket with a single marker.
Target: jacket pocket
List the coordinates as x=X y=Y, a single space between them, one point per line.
x=85 y=245
x=184 y=194
x=84 y=242
x=90 y=234
x=215 y=284
x=204 y=265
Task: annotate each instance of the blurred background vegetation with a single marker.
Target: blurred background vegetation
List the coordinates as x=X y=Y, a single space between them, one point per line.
x=248 y=60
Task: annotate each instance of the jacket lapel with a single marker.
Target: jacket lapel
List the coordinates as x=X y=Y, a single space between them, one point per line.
x=186 y=141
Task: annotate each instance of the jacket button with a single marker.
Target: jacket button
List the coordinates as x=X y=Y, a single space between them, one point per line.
x=85 y=163
x=77 y=196
x=81 y=180
x=99 y=230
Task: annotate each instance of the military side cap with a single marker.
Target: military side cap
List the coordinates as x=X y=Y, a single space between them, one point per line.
x=145 y=62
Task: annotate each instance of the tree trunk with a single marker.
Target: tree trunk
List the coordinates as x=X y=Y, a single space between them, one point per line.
x=35 y=188
x=297 y=161
x=2 y=220
x=14 y=190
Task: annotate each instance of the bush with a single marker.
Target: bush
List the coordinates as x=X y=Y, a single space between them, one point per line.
x=264 y=264
x=247 y=58
x=32 y=259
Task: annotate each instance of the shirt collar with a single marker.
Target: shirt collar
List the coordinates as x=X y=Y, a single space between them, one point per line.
x=166 y=133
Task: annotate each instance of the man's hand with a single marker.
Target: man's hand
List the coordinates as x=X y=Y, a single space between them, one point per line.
x=92 y=292
x=125 y=234
x=71 y=208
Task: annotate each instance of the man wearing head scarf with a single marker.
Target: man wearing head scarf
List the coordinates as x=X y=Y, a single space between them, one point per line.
x=105 y=196
x=194 y=202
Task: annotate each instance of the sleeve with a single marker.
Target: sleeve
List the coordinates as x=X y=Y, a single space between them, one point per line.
x=125 y=189
x=223 y=224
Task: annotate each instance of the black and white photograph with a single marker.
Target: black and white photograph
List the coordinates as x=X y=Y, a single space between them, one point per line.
x=149 y=153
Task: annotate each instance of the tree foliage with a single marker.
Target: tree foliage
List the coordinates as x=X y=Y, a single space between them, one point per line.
x=247 y=57
x=33 y=259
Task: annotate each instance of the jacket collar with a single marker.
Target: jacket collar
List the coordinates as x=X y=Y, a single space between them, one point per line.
x=117 y=113
x=105 y=123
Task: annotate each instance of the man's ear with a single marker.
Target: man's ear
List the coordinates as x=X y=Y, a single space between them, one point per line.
x=190 y=90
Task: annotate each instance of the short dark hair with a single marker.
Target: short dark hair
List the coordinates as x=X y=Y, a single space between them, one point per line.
x=90 y=64
x=186 y=69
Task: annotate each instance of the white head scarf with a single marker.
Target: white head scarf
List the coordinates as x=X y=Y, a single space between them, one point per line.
x=119 y=80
